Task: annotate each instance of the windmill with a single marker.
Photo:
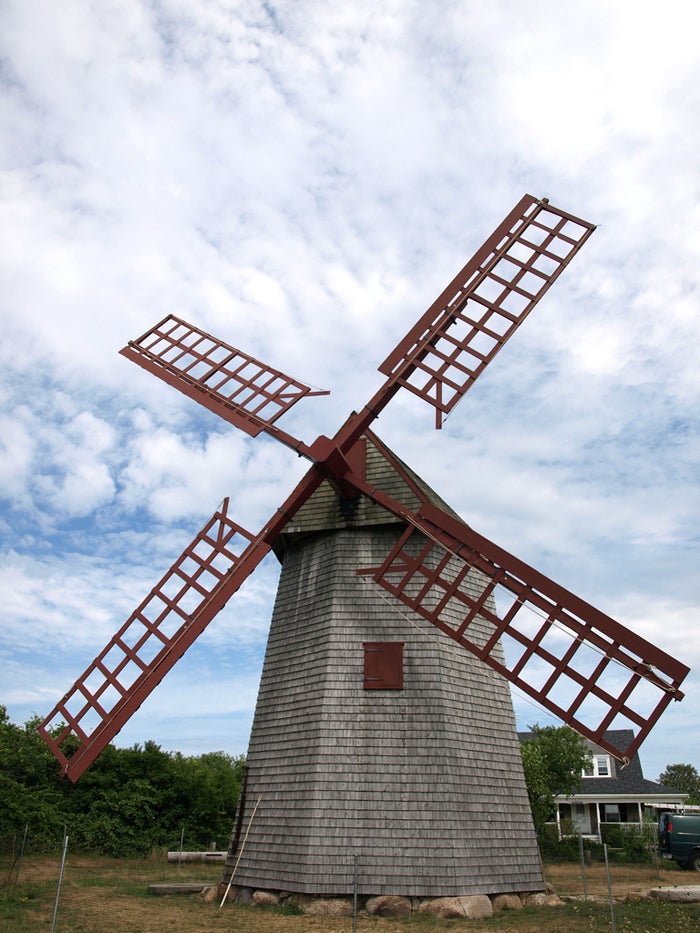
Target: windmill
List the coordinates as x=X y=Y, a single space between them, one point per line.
x=384 y=726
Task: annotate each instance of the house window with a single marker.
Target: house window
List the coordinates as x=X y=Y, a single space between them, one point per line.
x=612 y=813
x=598 y=766
x=383 y=665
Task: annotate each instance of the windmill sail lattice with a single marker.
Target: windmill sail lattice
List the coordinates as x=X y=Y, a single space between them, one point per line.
x=574 y=660
x=462 y=331
x=227 y=381
x=359 y=502
x=153 y=638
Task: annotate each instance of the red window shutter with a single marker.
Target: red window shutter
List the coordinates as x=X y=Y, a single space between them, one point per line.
x=383 y=665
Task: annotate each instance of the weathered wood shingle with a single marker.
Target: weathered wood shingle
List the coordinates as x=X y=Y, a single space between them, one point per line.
x=425 y=783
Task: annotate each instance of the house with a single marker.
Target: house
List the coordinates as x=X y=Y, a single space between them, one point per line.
x=611 y=793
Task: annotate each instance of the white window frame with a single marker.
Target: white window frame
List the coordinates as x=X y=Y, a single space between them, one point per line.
x=598 y=767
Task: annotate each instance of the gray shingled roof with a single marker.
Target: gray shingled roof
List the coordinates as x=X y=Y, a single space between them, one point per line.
x=629 y=780
x=324 y=511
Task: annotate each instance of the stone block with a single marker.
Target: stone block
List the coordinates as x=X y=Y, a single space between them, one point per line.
x=477 y=907
x=538 y=899
x=313 y=906
x=183 y=887
x=444 y=907
x=329 y=907
x=265 y=899
x=471 y=907
x=683 y=893
x=389 y=905
x=507 y=902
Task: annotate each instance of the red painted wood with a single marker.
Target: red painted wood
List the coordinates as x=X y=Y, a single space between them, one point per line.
x=468 y=324
x=230 y=383
x=383 y=665
x=580 y=664
x=153 y=638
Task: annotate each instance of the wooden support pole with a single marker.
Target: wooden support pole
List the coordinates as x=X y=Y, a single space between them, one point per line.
x=250 y=821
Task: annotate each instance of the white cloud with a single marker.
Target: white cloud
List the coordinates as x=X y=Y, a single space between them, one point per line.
x=302 y=181
x=15 y=456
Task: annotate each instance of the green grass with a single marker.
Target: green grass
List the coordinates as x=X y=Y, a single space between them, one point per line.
x=634 y=917
x=101 y=894
x=17 y=902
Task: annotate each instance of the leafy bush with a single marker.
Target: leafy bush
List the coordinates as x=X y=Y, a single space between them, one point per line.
x=567 y=848
x=553 y=758
x=626 y=843
x=128 y=802
x=637 y=843
x=612 y=835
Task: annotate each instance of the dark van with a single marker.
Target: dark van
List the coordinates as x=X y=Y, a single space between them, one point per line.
x=679 y=839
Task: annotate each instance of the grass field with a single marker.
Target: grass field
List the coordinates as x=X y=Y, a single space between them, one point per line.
x=100 y=894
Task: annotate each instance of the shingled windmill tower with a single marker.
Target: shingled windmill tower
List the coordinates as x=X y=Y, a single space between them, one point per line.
x=371 y=736
x=376 y=733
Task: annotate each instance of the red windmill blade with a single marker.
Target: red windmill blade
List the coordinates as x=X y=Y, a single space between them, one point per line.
x=469 y=323
x=159 y=631
x=227 y=381
x=439 y=359
x=153 y=638
x=574 y=660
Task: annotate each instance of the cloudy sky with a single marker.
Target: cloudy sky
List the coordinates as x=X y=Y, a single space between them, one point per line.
x=302 y=179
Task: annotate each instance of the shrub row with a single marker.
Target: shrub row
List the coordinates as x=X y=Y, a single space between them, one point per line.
x=130 y=801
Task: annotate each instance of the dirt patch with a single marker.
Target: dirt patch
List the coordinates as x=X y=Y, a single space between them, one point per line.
x=625 y=880
x=111 y=894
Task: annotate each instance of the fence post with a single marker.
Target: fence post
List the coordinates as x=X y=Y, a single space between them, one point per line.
x=610 y=897
x=60 y=879
x=182 y=840
x=354 y=894
x=21 y=852
x=583 y=865
x=16 y=859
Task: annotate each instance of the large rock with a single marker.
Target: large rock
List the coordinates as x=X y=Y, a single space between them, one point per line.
x=445 y=907
x=473 y=907
x=686 y=893
x=330 y=907
x=477 y=907
x=265 y=899
x=321 y=906
x=507 y=902
x=389 y=905
x=539 y=899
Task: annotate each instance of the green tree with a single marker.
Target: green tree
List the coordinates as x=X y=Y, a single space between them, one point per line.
x=211 y=782
x=553 y=760
x=31 y=790
x=129 y=801
x=132 y=800
x=120 y=804
x=684 y=778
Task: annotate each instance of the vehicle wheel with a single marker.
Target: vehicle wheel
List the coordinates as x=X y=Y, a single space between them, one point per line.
x=694 y=862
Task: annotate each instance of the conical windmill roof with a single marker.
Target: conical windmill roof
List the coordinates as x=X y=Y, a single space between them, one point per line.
x=326 y=511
